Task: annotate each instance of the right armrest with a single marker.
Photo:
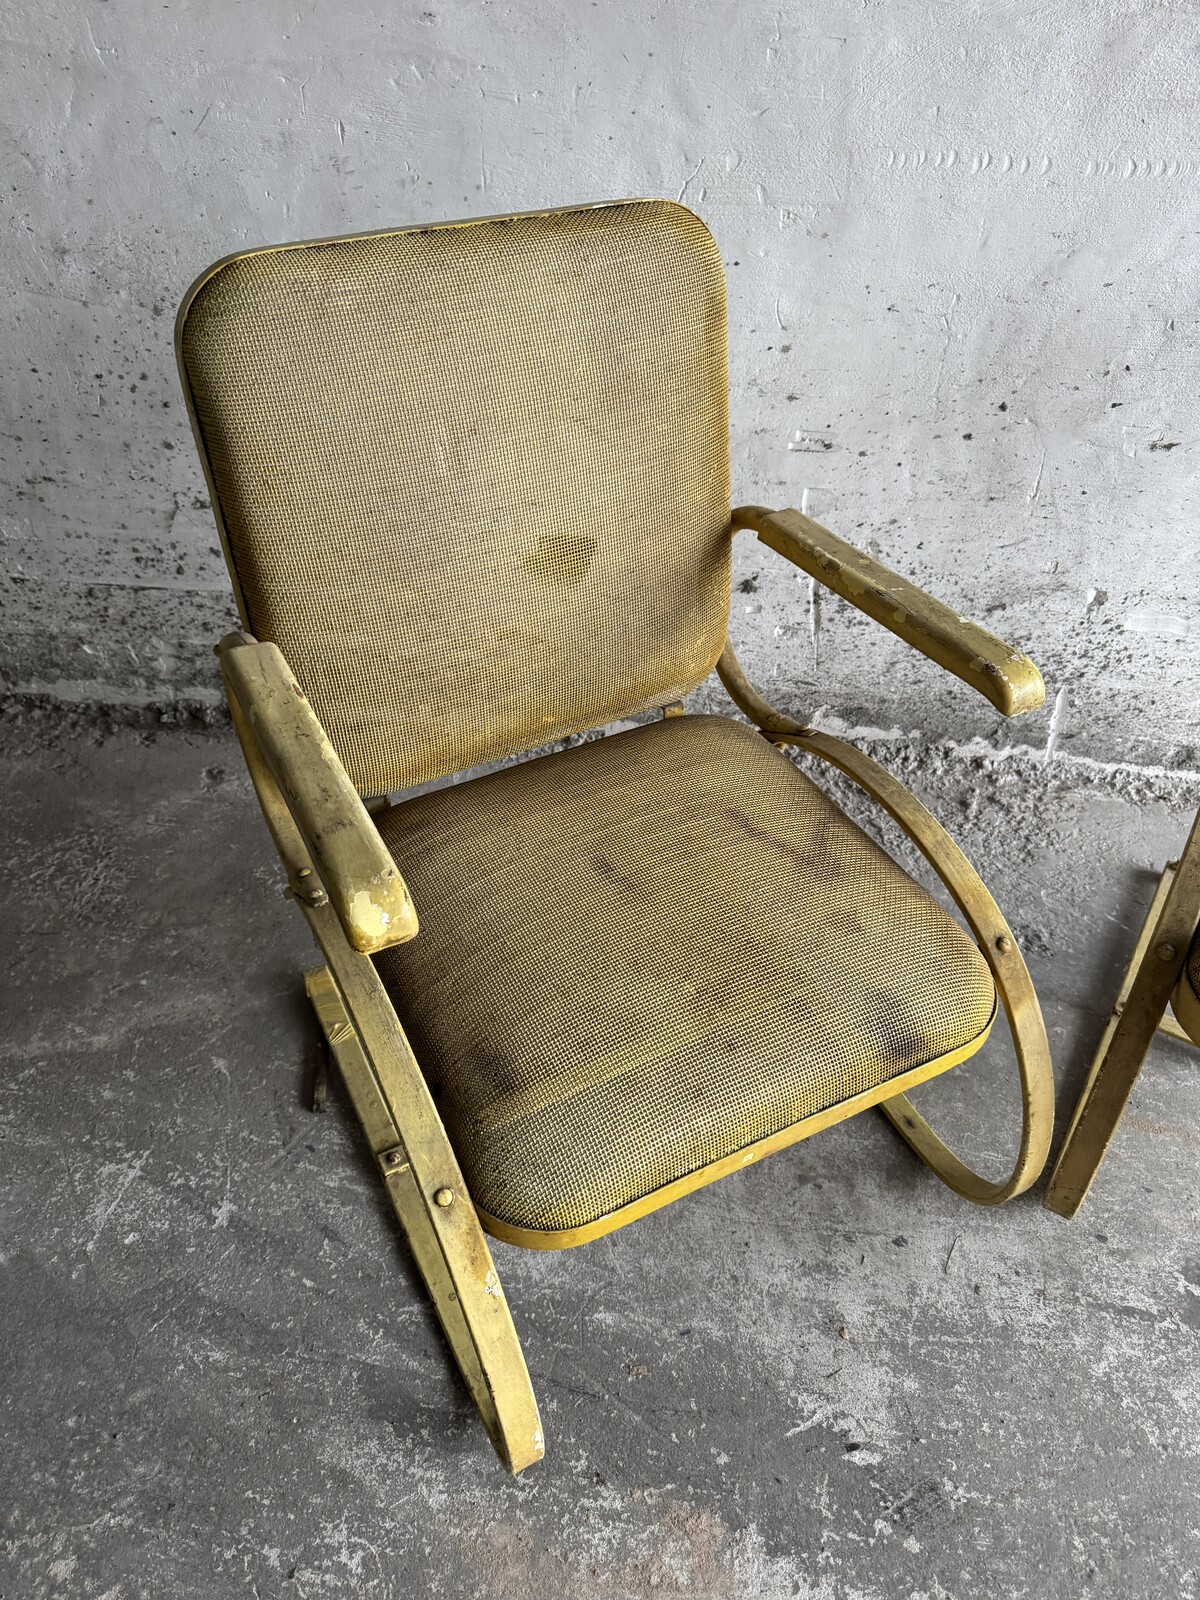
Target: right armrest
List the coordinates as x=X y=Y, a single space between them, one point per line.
x=355 y=866
x=994 y=669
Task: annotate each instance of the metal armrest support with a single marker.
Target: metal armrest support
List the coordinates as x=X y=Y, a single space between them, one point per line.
x=987 y=924
x=999 y=949
x=1002 y=675
x=416 y=1161
x=276 y=722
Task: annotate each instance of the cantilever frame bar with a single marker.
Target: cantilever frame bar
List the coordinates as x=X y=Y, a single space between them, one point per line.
x=425 y=1185
x=1013 y=684
x=1155 y=975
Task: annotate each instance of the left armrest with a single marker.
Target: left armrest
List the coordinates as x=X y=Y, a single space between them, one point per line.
x=1001 y=674
x=362 y=881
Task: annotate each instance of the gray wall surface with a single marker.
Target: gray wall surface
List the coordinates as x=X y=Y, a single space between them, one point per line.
x=961 y=245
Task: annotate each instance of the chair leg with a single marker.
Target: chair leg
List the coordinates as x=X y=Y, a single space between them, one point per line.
x=1139 y=1012
x=452 y=1254
x=320 y=1075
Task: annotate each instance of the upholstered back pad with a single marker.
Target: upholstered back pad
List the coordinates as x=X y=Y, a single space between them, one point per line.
x=473 y=479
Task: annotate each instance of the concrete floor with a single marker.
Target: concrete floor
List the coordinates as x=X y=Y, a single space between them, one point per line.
x=826 y=1377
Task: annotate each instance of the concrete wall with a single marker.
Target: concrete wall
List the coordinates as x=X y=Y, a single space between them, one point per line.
x=962 y=259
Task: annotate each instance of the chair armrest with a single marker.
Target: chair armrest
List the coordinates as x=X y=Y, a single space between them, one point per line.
x=1001 y=674
x=355 y=866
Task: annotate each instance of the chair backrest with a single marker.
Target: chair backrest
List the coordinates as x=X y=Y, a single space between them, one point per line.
x=472 y=479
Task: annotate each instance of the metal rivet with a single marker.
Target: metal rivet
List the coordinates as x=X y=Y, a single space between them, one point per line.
x=1165 y=952
x=443 y=1197
x=1004 y=944
x=304 y=872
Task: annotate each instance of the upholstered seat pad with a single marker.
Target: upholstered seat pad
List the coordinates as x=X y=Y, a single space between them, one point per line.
x=647 y=952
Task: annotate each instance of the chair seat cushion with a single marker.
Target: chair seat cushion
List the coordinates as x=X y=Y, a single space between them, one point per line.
x=651 y=951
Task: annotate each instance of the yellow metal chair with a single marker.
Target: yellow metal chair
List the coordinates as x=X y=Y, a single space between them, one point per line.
x=1164 y=967
x=473 y=487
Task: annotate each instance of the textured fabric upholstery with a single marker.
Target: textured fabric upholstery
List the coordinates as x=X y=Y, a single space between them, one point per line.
x=474 y=479
x=651 y=950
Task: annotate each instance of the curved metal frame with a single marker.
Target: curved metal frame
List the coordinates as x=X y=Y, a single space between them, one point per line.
x=420 y=1170
x=987 y=924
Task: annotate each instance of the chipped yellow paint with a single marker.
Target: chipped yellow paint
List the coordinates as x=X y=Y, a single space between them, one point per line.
x=354 y=865
x=370 y=918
